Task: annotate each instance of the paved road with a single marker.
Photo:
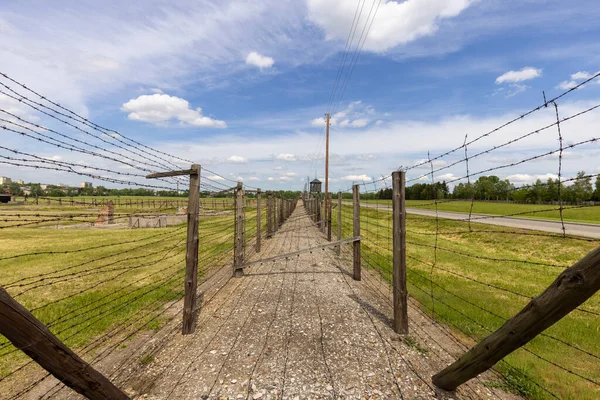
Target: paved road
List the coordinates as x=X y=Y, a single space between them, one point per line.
x=574 y=229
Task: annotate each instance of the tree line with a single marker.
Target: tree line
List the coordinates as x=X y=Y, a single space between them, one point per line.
x=493 y=188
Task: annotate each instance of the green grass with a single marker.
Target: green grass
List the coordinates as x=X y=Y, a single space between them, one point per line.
x=537 y=211
x=469 y=307
x=114 y=280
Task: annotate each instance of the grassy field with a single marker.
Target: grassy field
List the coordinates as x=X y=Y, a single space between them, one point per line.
x=86 y=283
x=538 y=211
x=447 y=290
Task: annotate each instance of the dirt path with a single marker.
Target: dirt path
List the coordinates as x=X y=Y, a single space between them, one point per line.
x=301 y=328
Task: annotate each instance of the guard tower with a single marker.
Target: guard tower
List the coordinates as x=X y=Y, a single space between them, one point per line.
x=315 y=186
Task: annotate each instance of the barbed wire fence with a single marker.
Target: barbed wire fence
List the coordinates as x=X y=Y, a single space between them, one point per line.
x=74 y=263
x=473 y=271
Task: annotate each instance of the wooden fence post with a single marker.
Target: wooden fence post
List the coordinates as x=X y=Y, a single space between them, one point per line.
x=275 y=213
x=356 y=229
x=572 y=288
x=258 y=220
x=281 y=214
x=191 y=255
x=190 y=309
x=329 y=209
x=32 y=337
x=318 y=207
x=269 y=214
x=239 y=234
x=399 y=252
x=339 y=225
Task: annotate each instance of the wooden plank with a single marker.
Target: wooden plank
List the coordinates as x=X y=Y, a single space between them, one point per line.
x=27 y=333
x=399 y=253
x=572 y=288
x=172 y=173
x=307 y=250
x=356 y=232
x=191 y=255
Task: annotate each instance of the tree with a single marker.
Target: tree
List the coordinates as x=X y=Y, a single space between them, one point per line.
x=582 y=188
x=596 y=196
x=15 y=189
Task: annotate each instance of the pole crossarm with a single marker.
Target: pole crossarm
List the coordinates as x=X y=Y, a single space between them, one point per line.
x=307 y=250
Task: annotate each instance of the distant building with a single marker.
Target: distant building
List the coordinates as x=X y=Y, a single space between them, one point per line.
x=20 y=182
x=85 y=185
x=5 y=181
x=315 y=186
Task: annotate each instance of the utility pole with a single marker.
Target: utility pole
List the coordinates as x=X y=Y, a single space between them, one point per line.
x=326 y=208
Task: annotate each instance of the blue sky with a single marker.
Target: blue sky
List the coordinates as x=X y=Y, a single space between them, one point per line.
x=239 y=86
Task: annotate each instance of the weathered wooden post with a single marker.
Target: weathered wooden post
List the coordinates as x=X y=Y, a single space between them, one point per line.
x=269 y=214
x=275 y=213
x=399 y=253
x=329 y=209
x=258 y=220
x=32 y=337
x=318 y=216
x=572 y=288
x=339 y=225
x=239 y=234
x=281 y=213
x=190 y=308
x=356 y=229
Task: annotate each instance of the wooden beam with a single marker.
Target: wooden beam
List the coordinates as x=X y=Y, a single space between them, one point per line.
x=32 y=337
x=223 y=191
x=172 y=173
x=307 y=250
x=572 y=288
x=399 y=253
x=191 y=256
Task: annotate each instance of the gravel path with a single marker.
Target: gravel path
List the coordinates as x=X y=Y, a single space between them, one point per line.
x=302 y=328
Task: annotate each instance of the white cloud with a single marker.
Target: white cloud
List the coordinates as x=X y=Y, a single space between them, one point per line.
x=321 y=123
x=524 y=74
x=566 y=85
x=424 y=163
x=162 y=108
x=254 y=179
x=216 y=178
x=54 y=158
x=446 y=177
x=286 y=157
x=356 y=178
x=582 y=75
x=366 y=157
x=396 y=22
x=527 y=178
x=291 y=174
x=351 y=117
x=239 y=178
x=258 y=60
x=237 y=159
x=270 y=179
